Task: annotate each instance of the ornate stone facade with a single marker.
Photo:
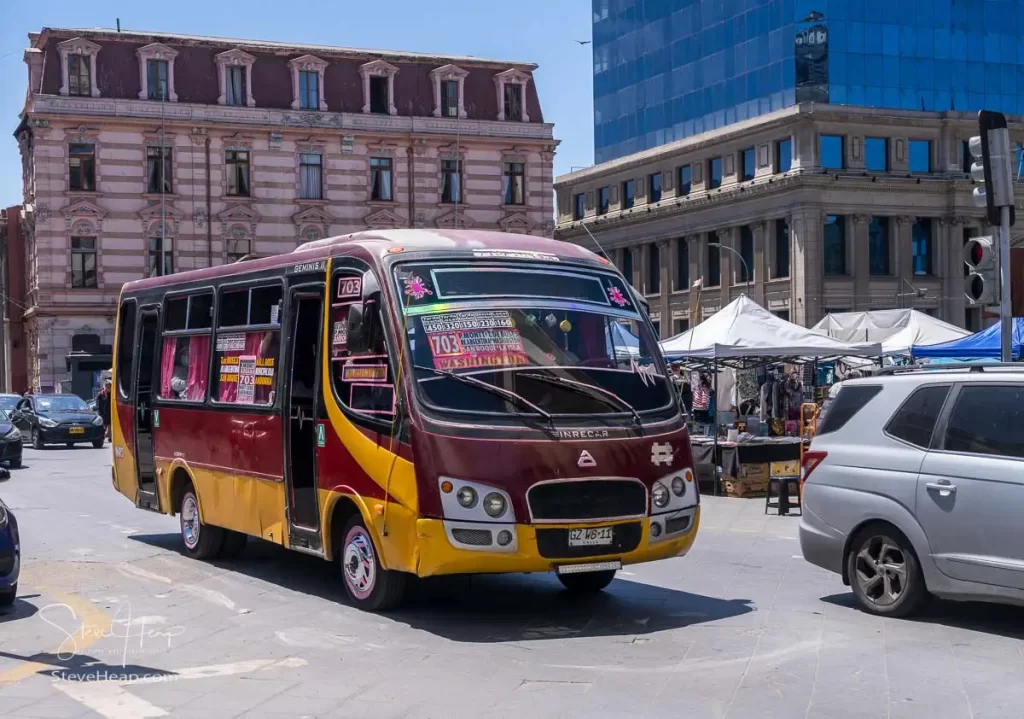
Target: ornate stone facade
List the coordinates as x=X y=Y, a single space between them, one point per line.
x=117 y=185
x=816 y=238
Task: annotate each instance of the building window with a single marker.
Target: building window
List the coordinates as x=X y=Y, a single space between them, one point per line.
x=685 y=180
x=156 y=79
x=654 y=187
x=308 y=83
x=781 y=314
x=514 y=184
x=158 y=170
x=311 y=176
x=309 y=90
x=920 y=154
x=82 y=167
x=834 y=244
x=579 y=206
x=921 y=243
x=238 y=249
x=449 y=98
x=714 y=173
x=653 y=269
x=656 y=324
x=627 y=264
x=161 y=258
x=603 y=200
x=79 y=75
x=628 y=194
x=783 y=155
x=83 y=262
x=714 y=278
x=680 y=325
x=682 y=264
x=748 y=166
x=876 y=154
x=237 y=162
x=745 y=271
x=832 y=150
x=966 y=158
x=451 y=181
x=379 y=95
x=513 y=102
x=878 y=246
x=234 y=86
x=781 y=248
x=380 y=179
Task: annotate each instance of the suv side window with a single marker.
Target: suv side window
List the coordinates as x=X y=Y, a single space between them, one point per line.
x=849 y=402
x=915 y=421
x=987 y=419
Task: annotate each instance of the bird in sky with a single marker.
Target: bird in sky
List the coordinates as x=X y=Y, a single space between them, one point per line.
x=583 y=42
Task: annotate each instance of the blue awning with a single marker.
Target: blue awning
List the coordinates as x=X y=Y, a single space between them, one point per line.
x=980 y=345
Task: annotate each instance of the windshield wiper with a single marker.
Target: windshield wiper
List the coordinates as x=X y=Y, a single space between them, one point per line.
x=513 y=397
x=606 y=397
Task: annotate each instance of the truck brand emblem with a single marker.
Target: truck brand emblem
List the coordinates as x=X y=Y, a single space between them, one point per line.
x=586 y=460
x=661 y=454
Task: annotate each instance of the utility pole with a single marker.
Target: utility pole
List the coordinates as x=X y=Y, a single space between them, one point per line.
x=993 y=170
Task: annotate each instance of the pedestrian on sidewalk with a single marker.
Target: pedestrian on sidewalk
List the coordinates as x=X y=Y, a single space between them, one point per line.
x=103 y=408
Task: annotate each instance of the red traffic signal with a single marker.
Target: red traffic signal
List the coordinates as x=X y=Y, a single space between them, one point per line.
x=980 y=253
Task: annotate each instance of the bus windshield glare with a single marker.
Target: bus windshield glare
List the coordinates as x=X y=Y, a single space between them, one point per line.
x=552 y=340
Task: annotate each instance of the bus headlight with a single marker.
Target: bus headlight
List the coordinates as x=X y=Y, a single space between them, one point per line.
x=466 y=497
x=678 y=486
x=495 y=505
x=660 y=495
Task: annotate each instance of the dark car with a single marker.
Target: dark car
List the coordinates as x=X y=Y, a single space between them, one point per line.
x=10 y=441
x=59 y=419
x=10 y=556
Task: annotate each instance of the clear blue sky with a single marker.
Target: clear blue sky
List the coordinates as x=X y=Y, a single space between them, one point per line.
x=544 y=32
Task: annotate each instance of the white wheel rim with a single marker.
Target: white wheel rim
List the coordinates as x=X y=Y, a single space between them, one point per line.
x=190 y=526
x=359 y=564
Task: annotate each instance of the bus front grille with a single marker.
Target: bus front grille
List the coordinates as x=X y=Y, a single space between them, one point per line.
x=585 y=500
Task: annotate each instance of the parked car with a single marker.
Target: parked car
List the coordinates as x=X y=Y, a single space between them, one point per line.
x=914 y=484
x=10 y=441
x=59 y=419
x=10 y=556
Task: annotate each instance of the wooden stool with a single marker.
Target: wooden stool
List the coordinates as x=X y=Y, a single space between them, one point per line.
x=783 y=496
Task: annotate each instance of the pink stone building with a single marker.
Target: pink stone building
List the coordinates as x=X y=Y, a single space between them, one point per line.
x=148 y=154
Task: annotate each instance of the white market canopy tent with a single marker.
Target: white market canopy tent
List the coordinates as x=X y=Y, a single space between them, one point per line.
x=744 y=329
x=897 y=330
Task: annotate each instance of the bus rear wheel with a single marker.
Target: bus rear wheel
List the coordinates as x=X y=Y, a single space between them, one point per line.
x=202 y=541
x=369 y=586
x=587 y=582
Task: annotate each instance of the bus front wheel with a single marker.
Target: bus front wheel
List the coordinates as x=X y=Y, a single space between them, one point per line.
x=587 y=582
x=369 y=586
x=202 y=541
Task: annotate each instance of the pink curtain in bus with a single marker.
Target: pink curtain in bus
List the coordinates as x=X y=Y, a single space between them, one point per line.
x=229 y=390
x=198 y=364
x=167 y=366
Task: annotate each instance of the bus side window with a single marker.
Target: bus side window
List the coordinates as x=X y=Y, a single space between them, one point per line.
x=362 y=382
x=247 y=345
x=185 y=348
x=125 y=347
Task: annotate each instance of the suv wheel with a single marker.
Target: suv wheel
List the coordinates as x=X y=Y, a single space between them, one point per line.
x=884 y=572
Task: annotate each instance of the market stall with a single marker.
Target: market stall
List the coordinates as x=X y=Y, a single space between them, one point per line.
x=739 y=343
x=897 y=330
x=986 y=344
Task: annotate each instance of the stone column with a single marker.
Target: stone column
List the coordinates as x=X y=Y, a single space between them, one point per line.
x=806 y=274
x=728 y=237
x=805 y=148
x=698 y=270
x=903 y=254
x=664 y=299
x=860 y=266
x=760 y=268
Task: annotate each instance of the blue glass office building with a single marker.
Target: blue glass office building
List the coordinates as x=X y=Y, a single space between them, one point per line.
x=668 y=69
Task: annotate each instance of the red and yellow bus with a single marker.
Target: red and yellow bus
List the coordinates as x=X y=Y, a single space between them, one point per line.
x=407 y=402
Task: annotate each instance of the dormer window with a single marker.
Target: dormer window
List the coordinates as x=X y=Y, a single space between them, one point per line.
x=308 y=83
x=156 y=65
x=379 y=87
x=235 y=74
x=78 y=67
x=448 y=82
x=511 y=87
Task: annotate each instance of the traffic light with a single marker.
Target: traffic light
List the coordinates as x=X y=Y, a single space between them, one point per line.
x=992 y=168
x=982 y=284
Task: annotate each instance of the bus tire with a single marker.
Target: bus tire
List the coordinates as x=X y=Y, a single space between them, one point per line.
x=234 y=544
x=202 y=541
x=587 y=582
x=368 y=585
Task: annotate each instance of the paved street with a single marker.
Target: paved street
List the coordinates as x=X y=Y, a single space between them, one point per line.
x=743 y=627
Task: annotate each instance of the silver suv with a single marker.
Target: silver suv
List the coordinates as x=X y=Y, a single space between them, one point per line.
x=914 y=485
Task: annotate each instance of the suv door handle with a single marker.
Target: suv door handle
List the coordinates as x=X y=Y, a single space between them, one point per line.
x=941 y=487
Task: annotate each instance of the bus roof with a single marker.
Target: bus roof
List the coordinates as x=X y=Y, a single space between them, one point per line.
x=380 y=242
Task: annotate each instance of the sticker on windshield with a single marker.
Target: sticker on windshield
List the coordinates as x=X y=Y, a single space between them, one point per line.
x=616 y=296
x=474 y=339
x=416 y=288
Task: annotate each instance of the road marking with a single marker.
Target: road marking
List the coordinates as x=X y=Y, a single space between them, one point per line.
x=111 y=700
x=210 y=595
x=95 y=624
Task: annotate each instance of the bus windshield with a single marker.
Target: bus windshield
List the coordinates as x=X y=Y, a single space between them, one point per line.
x=501 y=339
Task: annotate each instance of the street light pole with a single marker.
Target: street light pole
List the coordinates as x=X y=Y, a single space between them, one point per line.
x=746 y=267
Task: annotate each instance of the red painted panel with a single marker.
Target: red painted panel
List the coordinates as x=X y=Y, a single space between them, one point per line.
x=244 y=442
x=337 y=469
x=514 y=465
x=126 y=418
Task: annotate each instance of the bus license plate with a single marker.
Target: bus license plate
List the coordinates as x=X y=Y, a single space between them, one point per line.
x=591 y=537
x=77 y=430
